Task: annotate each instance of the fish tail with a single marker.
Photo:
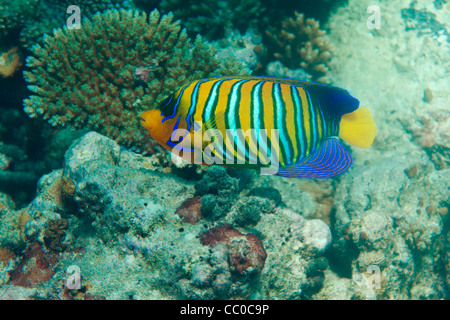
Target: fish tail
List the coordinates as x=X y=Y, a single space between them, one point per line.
x=358 y=128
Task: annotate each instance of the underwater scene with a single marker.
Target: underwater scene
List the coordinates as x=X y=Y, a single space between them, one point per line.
x=224 y=150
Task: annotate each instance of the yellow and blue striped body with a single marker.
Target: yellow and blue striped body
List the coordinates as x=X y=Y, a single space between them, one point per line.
x=257 y=103
x=294 y=108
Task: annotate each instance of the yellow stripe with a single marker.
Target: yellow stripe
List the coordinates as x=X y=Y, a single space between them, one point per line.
x=269 y=125
x=222 y=102
x=245 y=105
x=185 y=101
x=267 y=107
x=203 y=93
x=306 y=116
x=290 y=118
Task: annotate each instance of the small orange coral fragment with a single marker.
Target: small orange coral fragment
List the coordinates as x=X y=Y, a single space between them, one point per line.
x=10 y=62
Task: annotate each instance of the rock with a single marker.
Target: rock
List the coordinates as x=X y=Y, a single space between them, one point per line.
x=316 y=236
x=246 y=252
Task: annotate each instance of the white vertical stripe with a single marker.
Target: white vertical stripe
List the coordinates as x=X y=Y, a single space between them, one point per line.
x=280 y=118
x=298 y=121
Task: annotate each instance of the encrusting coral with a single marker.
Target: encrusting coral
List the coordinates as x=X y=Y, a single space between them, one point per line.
x=86 y=77
x=301 y=43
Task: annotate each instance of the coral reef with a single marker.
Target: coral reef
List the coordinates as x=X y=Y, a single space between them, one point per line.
x=14 y=15
x=247 y=211
x=396 y=235
x=267 y=193
x=218 y=191
x=247 y=48
x=38 y=23
x=211 y=18
x=145 y=228
x=97 y=89
x=127 y=218
x=29 y=149
x=148 y=226
x=302 y=44
x=424 y=21
x=278 y=70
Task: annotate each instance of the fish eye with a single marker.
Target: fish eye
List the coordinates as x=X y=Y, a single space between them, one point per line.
x=167 y=106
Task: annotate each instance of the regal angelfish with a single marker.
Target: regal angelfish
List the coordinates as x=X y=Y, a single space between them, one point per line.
x=308 y=119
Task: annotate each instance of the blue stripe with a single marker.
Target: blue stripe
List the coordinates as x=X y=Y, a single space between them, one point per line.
x=176 y=145
x=175 y=108
x=328 y=161
x=194 y=99
x=171 y=96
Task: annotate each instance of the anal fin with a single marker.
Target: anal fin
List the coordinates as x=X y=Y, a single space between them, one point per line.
x=329 y=160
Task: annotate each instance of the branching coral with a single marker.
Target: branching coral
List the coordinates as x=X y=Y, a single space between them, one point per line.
x=301 y=43
x=85 y=78
x=39 y=23
x=211 y=18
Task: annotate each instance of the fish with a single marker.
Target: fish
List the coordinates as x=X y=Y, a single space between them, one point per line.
x=288 y=127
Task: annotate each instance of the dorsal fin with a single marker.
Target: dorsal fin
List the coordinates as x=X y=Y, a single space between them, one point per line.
x=335 y=101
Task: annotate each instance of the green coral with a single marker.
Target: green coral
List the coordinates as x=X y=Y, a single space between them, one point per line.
x=27 y=20
x=50 y=14
x=85 y=77
x=211 y=18
x=14 y=15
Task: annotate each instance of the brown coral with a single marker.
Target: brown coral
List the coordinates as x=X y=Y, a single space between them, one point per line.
x=302 y=44
x=245 y=251
x=6 y=255
x=190 y=210
x=34 y=268
x=55 y=235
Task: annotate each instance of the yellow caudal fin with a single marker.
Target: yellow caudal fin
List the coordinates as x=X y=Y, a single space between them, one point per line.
x=358 y=128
